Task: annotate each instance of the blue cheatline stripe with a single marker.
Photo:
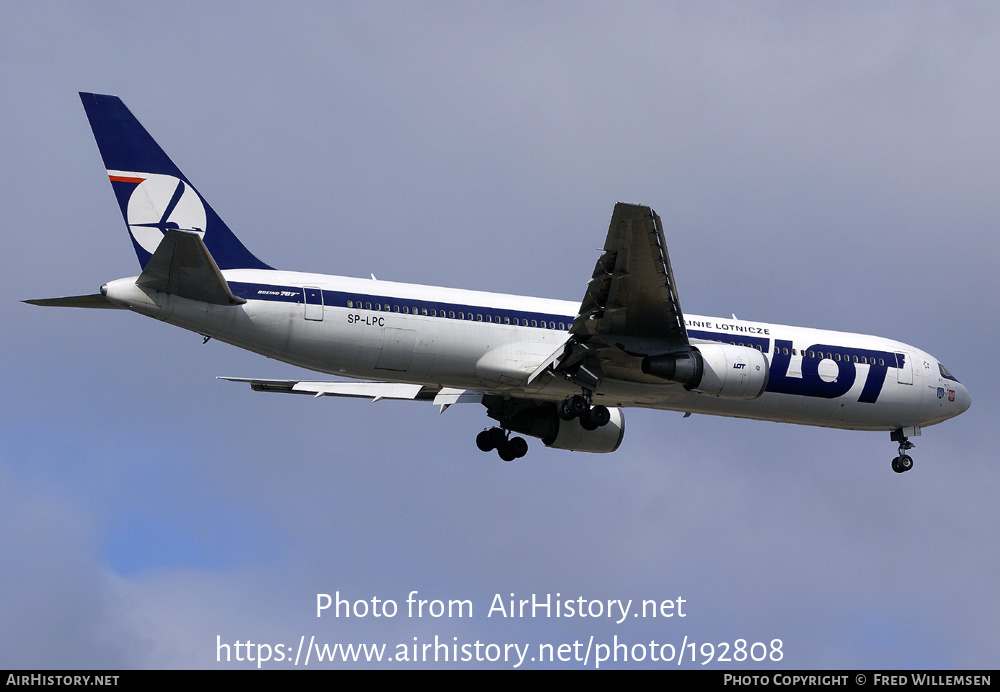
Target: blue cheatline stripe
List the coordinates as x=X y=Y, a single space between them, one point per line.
x=339 y=299
x=293 y=294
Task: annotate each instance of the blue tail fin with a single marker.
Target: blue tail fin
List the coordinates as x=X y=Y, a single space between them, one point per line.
x=153 y=194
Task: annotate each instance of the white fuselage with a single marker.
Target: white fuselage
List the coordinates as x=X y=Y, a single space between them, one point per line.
x=490 y=342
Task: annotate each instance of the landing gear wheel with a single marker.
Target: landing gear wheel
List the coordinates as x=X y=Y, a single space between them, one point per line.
x=498 y=438
x=484 y=441
x=564 y=410
x=903 y=462
x=488 y=440
x=508 y=449
x=519 y=446
x=507 y=452
x=600 y=415
x=578 y=406
x=587 y=421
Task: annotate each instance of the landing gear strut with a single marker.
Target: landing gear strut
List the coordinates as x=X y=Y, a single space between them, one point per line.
x=578 y=406
x=903 y=462
x=508 y=448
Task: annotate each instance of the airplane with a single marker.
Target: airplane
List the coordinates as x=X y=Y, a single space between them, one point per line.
x=554 y=370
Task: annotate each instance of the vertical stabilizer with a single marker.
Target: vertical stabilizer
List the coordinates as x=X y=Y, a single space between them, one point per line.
x=153 y=194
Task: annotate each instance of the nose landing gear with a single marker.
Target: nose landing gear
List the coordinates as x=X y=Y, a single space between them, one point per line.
x=903 y=462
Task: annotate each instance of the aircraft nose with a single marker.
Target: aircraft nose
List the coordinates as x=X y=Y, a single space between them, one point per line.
x=964 y=399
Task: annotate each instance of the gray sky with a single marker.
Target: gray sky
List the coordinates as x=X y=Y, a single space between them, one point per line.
x=830 y=166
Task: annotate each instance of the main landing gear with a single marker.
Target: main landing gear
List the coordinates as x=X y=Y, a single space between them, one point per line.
x=509 y=448
x=578 y=406
x=903 y=462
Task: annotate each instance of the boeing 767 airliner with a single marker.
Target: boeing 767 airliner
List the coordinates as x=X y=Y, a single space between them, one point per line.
x=550 y=369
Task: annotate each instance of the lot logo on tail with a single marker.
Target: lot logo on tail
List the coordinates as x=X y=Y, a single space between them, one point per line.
x=160 y=203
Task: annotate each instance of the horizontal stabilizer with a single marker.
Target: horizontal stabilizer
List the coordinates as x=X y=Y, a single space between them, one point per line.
x=95 y=300
x=183 y=266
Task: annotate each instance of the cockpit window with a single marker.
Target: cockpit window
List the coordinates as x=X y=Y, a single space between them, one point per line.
x=944 y=372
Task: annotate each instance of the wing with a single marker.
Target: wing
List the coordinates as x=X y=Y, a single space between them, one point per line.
x=440 y=396
x=630 y=308
x=632 y=294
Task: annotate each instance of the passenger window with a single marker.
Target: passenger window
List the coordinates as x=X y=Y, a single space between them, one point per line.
x=350 y=303
x=368 y=306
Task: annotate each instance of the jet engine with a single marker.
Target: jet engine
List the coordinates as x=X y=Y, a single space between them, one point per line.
x=542 y=421
x=722 y=370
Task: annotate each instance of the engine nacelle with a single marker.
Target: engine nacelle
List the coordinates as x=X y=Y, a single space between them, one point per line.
x=572 y=436
x=544 y=423
x=722 y=370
